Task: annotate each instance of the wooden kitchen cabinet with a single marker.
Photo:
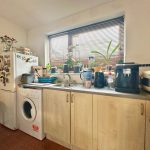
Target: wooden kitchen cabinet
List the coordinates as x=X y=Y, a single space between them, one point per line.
x=84 y=121
x=147 y=140
x=57 y=116
x=119 y=123
x=81 y=121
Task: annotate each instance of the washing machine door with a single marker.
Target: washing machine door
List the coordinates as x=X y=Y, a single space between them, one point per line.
x=29 y=111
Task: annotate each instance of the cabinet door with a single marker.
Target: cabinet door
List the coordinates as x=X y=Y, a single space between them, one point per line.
x=119 y=123
x=81 y=121
x=8 y=109
x=57 y=115
x=147 y=147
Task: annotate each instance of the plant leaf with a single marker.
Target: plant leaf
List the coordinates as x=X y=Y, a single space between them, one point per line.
x=108 y=49
x=114 y=50
x=96 y=52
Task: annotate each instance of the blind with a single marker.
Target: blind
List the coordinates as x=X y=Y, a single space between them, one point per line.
x=88 y=38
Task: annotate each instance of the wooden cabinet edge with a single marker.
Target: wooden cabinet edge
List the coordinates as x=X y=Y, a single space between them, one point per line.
x=44 y=109
x=49 y=137
x=147 y=130
x=95 y=102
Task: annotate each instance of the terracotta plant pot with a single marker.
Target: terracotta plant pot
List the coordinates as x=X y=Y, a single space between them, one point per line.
x=97 y=69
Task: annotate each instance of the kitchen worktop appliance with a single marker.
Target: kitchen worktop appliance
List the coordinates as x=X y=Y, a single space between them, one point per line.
x=146 y=81
x=30 y=112
x=127 y=77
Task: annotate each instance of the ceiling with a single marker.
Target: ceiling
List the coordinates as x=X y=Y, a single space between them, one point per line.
x=33 y=13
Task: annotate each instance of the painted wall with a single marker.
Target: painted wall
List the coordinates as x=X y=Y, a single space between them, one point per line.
x=137 y=30
x=13 y=30
x=136 y=21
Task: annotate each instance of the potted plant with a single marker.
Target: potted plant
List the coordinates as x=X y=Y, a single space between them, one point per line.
x=109 y=53
x=77 y=66
x=95 y=65
x=70 y=63
x=48 y=66
x=59 y=68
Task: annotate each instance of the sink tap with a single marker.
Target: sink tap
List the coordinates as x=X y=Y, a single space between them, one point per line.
x=67 y=82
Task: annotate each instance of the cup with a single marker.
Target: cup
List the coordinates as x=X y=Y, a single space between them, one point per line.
x=87 y=83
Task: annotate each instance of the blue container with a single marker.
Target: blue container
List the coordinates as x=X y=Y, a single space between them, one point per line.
x=86 y=75
x=53 y=69
x=66 y=68
x=77 y=69
x=99 y=81
x=47 y=79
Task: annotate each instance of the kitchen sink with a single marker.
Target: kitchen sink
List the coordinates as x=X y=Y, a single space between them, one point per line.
x=63 y=86
x=58 y=85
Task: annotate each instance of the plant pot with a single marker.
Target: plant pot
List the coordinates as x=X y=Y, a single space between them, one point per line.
x=53 y=69
x=97 y=69
x=66 y=68
x=77 y=69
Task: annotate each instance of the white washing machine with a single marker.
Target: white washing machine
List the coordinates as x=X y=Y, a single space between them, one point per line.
x=29 y=112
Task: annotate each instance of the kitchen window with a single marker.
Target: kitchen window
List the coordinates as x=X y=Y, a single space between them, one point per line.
x=80 y=42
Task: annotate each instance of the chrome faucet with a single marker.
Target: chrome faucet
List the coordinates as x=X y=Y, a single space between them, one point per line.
x=67 y=83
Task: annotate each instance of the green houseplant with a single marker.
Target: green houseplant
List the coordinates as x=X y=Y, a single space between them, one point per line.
x=109 y=53
x=77 y=66
x=70 y=62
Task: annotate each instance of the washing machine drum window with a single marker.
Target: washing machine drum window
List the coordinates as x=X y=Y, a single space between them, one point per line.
x=29 y=110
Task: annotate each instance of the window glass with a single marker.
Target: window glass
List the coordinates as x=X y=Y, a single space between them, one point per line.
x=58 y=49
x=92 y=41
x=95 y=40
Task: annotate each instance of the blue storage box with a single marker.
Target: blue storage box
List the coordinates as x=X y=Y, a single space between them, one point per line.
x=46 y=79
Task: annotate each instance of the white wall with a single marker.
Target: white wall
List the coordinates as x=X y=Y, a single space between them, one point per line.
x=136 y=20
x=13 y=30
x=138 y=30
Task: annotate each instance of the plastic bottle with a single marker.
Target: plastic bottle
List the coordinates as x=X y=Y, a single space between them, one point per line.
x=110 y=80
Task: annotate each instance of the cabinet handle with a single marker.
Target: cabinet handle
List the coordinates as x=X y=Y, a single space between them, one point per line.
x=67 y=98
x=72 y=96
x=142 y=109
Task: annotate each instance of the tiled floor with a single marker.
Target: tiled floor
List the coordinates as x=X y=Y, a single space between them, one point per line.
x=17 y=140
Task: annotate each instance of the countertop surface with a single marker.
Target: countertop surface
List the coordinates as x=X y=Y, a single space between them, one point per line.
x=79 y=88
